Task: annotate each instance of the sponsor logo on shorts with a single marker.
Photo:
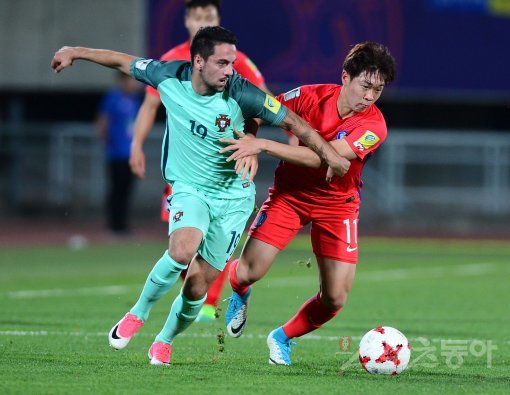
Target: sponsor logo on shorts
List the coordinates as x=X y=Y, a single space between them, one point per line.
x=142 y=64
x=246 y=184
x=351 y=249
x=178 y=215
x=272 y=104
x=222 y=122
x=260 y=219
x=369 y=139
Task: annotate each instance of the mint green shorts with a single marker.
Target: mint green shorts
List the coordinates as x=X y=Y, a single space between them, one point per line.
x=221 y=221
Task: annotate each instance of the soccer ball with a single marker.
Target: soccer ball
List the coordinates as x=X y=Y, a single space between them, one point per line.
x=384 y=350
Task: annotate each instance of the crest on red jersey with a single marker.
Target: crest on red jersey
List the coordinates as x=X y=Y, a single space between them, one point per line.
x=222 y=122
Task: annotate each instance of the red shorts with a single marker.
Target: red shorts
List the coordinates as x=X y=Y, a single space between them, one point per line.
x=164 y=203
x=333 y=232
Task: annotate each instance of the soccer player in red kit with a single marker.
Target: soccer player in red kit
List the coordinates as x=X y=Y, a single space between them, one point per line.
x=199 y=13
x=346 y=116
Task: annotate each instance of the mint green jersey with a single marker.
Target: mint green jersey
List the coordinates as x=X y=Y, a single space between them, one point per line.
x=195 y=124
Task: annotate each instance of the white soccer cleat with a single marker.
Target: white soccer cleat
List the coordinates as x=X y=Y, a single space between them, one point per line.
x=237 y=313
x=124 y=330
x=160 y=353
x=279 y=352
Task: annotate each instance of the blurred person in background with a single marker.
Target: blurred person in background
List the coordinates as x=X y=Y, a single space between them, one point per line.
x=199 y=13
x=346 y=116
x=115 y=122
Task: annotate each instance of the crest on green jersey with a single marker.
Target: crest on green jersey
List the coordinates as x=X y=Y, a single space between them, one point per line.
x=222 y=122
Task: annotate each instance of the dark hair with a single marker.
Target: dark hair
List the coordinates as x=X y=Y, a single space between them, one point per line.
x=372 y=58
x=202 y=3
x=207 y=37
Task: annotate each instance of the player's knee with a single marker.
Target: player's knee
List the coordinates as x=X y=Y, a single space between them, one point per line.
x=252 y=278
x=194 y=291
x=181 y=253
x=247 y=273
x=334 y=302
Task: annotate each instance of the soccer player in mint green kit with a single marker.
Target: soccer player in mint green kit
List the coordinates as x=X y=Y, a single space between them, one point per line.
x=211 y=201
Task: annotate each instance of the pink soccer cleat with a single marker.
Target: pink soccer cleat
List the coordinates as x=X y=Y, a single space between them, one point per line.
x=160 y=353
x=124 y=330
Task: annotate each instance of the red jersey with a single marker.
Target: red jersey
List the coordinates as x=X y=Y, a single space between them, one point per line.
x=243 y=65
x=364 y=132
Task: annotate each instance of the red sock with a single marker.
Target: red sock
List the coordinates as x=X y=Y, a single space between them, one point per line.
x=214 y=292
x=312 y=315
x=234 y=282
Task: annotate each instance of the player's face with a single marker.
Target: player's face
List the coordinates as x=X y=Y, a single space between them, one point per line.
x=201 y=17
x=363 y=90
x=218 y=68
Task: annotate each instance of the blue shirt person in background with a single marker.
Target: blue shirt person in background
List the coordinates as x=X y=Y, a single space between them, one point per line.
x=115 y=121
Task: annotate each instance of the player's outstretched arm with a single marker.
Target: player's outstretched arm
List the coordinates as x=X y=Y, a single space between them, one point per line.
x=298 y=126
x=65 y=57
x=298 y=155
x=302 y=156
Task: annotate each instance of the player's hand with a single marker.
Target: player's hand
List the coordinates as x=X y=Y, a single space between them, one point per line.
x=338 y=168
x=243 y=147
x=249 y=164
x=63 y=58
x=137 y=161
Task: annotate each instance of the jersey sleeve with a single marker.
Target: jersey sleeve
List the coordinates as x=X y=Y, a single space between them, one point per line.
x=255 y=103
x=152 y=72
x=366 y=138
x=181 y=52
x=247 y=69
x=292 y=101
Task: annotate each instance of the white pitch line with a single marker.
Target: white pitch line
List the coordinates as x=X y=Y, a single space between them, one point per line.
x=472 y=269
x=58 y=292
x=208 y=335
x=466 y=270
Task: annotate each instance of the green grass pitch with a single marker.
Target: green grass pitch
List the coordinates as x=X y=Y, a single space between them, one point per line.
x=451 y=299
